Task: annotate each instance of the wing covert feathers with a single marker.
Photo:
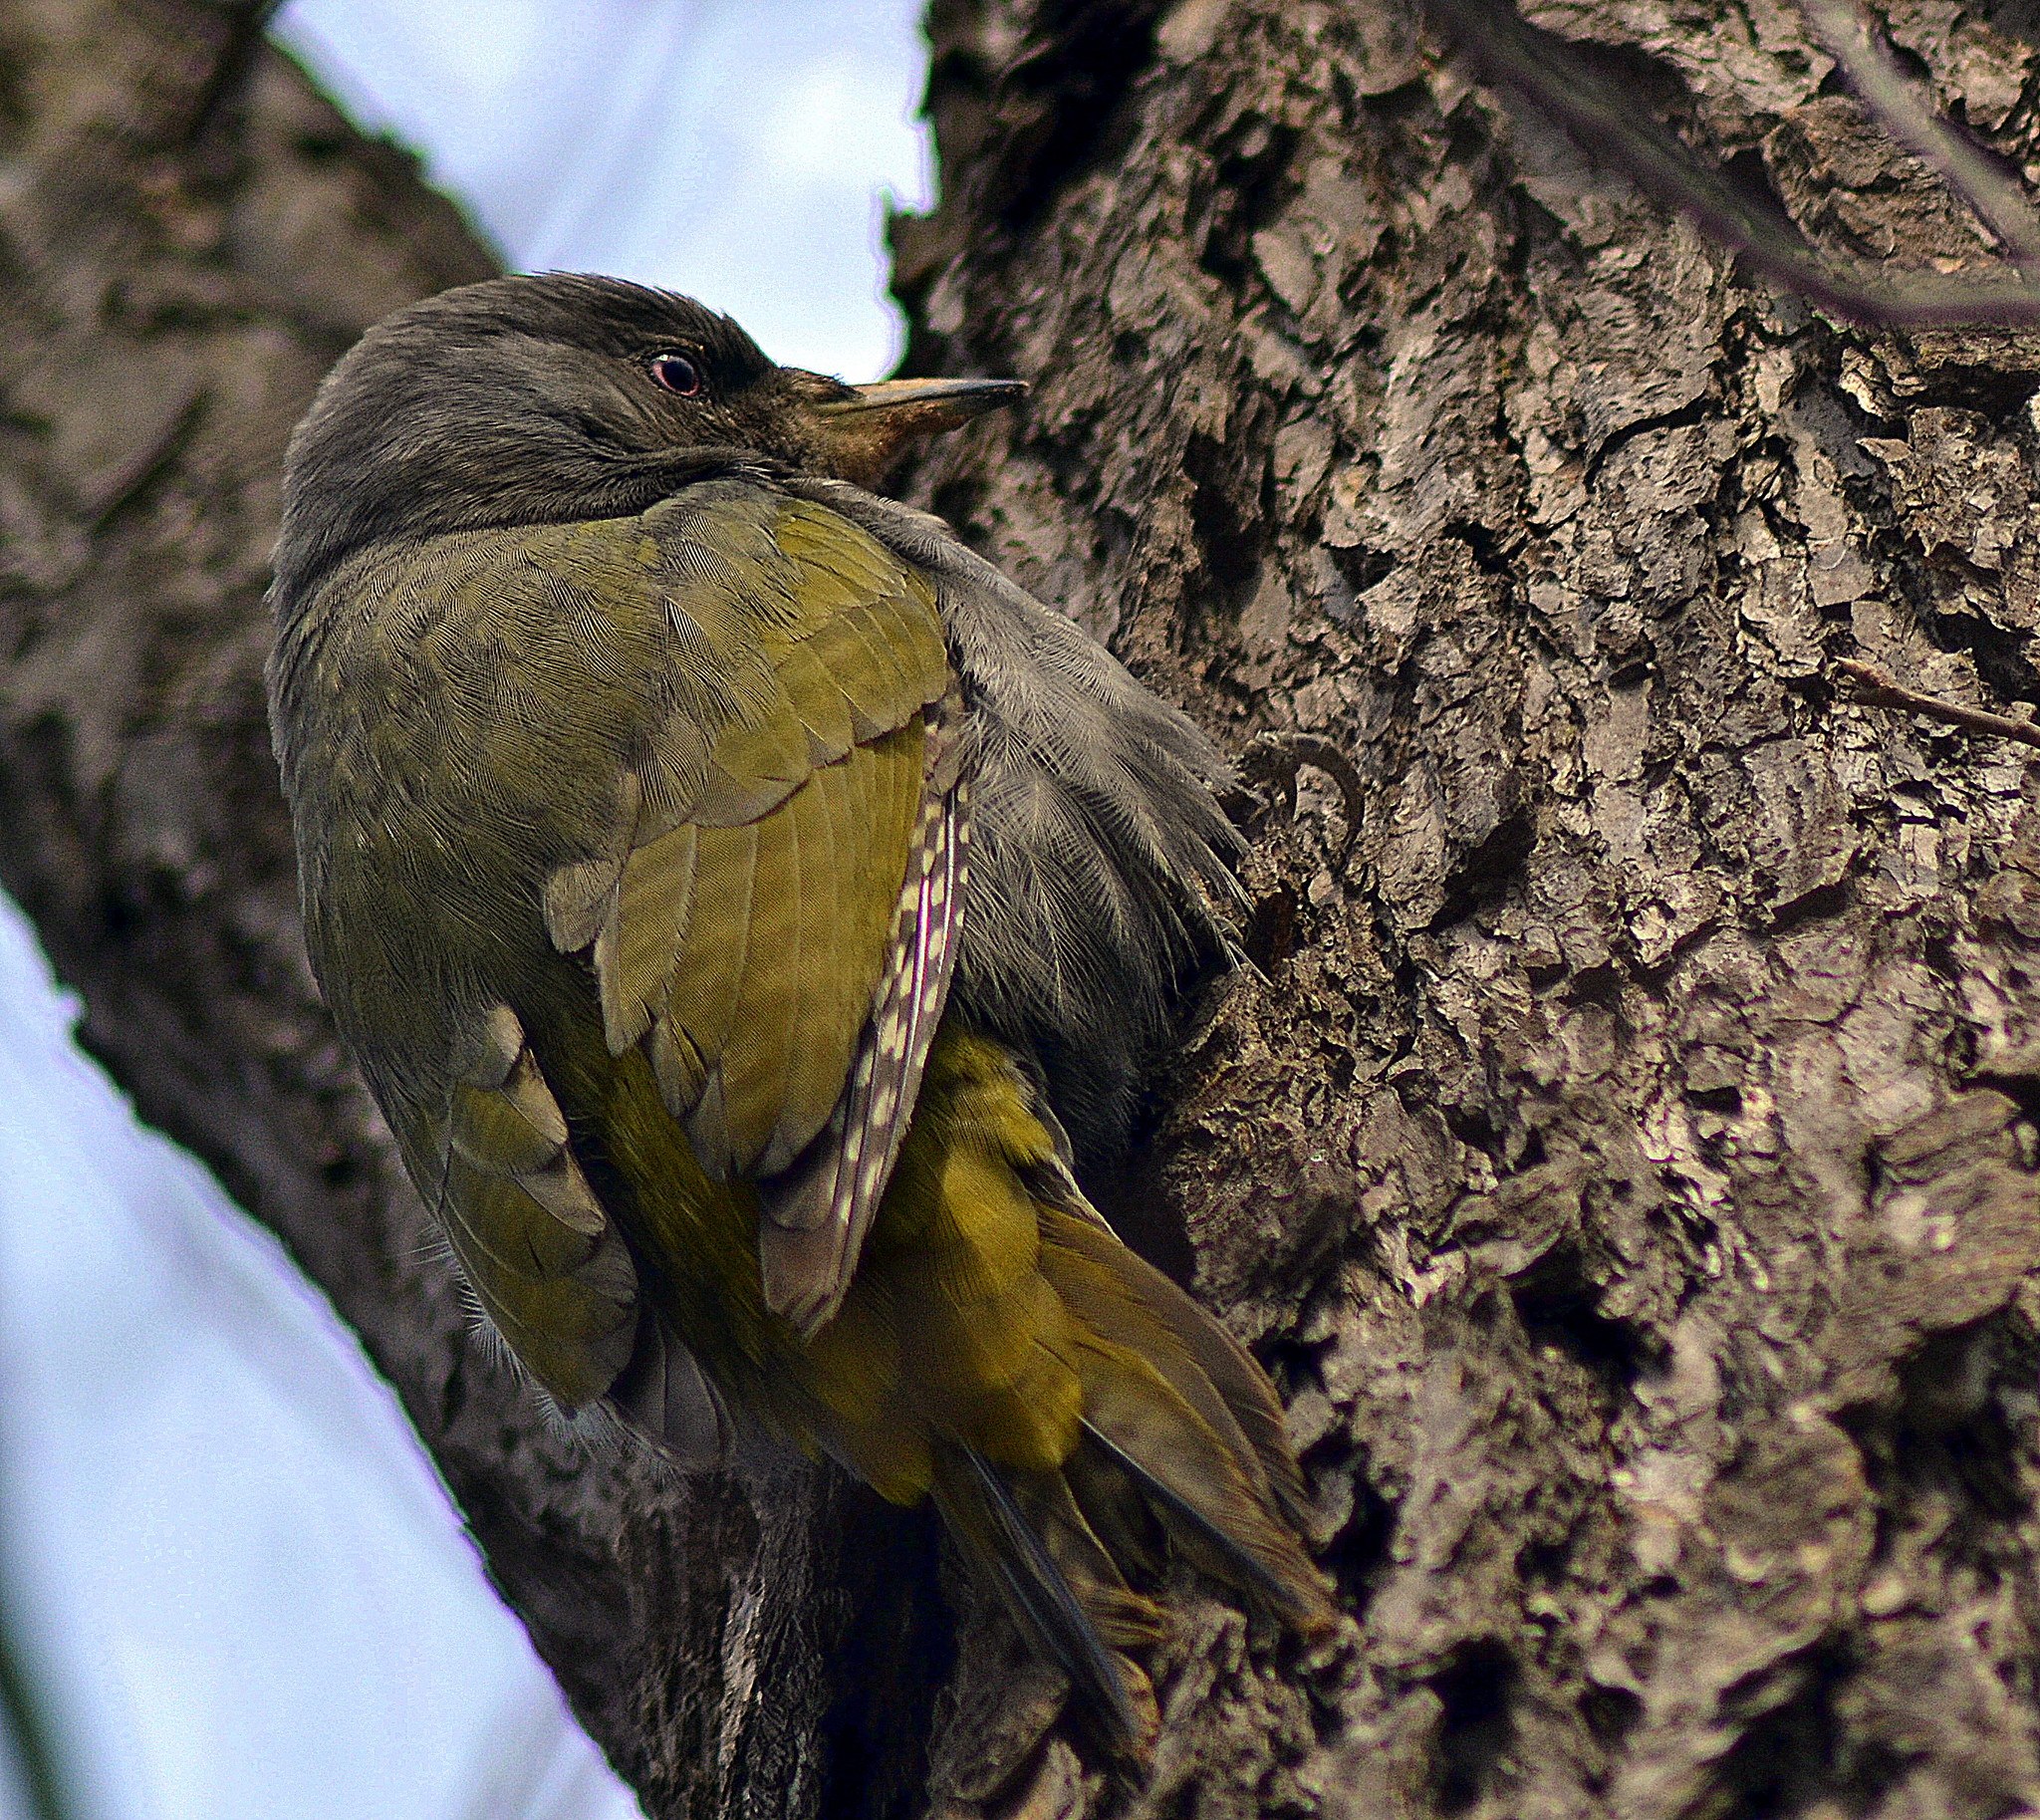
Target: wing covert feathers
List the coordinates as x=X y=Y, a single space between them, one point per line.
x=548 y=1267
x=1102 y=859
x=738 y=920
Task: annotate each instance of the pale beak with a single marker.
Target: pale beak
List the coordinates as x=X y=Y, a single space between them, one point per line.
x=863 y=433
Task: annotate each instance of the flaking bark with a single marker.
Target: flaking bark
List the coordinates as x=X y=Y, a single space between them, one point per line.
x=1625 y=1154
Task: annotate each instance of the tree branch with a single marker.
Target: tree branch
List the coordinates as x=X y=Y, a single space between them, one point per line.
x=1609 y=127
x=1895 y=101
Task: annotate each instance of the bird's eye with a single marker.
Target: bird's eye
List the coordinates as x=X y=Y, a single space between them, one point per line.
x=676 y=373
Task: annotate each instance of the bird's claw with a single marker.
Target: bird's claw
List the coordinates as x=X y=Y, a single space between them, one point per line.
x=1276 y=759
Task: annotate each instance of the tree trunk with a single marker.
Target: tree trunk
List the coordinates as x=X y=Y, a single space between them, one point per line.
x=1623 y=1144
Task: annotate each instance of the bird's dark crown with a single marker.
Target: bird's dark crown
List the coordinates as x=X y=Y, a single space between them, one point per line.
x=527 y=401
x=583 y=310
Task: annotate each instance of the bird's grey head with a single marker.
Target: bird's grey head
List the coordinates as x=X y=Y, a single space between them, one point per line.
x=564 y=396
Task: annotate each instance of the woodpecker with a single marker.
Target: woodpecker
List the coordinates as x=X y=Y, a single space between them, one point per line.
x=750 y=909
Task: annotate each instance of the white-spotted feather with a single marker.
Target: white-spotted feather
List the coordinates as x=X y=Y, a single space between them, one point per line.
x=818 y=1211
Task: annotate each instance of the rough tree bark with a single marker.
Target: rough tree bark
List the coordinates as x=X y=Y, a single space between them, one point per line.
x=1625 y=1152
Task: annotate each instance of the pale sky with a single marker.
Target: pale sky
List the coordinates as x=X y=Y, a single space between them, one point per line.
x=741 y=152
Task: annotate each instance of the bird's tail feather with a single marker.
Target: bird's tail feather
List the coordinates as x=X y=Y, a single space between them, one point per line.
x=1061 y=1587
x=1156 y=1422
x=1080 y=1414
x=1219 y=1398
x=1180 y=1438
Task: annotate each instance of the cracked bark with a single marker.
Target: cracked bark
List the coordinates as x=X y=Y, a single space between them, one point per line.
x=1625 y=1155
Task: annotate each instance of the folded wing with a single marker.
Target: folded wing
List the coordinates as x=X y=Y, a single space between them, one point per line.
x=776 y=928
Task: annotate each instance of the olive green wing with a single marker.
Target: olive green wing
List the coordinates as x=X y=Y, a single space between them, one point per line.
x=698 y=756
x=546 y=1264
x=542 y=1256
x=776 y=926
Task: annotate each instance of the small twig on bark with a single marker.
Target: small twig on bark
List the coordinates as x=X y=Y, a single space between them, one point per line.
x=1606 y=124
x=1874 y=688
x=1893 y=101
